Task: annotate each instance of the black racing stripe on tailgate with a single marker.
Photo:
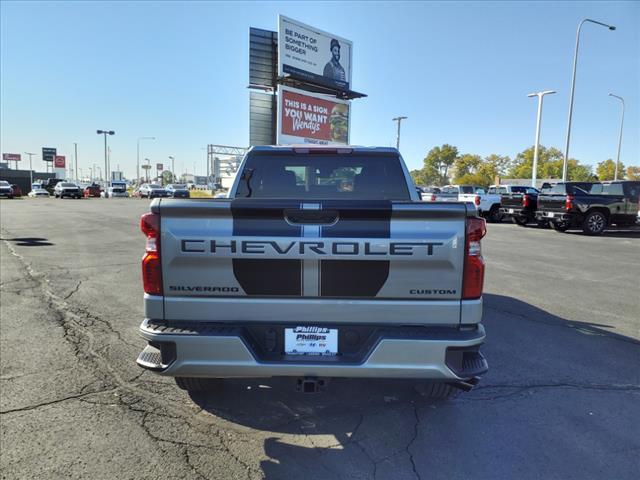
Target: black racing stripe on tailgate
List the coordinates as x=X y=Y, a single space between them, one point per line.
x=356 y=278
x=264 y=218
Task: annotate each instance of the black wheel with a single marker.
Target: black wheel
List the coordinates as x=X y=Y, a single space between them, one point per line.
x=438 y=390
x=594 y=223
x=542 y=224
x=560 y=226
x=522 y=221
x=194 y=384
x=494 y=214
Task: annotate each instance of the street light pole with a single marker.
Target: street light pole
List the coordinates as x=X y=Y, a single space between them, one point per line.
x=615 y=177
x=573 y=86
x=30 y=168
x=540 y=95
x=75 y=148
x=138 y=156
x=148 y=167
x=399 y=120
x=173 y=166
x=106 y=159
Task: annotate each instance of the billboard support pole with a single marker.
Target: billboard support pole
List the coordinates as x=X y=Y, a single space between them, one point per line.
x=399 y=120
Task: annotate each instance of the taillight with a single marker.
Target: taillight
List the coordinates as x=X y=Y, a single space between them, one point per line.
x=525 y=200
x=477 y=200
x=568 y=203
x=473 y=279
x=433 y=197
x=151 y=266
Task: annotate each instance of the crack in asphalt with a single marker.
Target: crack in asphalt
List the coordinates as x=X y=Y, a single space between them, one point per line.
x=75 y=290
x=413 y=439
x=53 y=402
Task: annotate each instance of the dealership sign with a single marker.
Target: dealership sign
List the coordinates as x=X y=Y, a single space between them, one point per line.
x=11 y=157
x=48 y=154
x=159 y=167
x=312 y=55
x=59 y=161
x=305 y=117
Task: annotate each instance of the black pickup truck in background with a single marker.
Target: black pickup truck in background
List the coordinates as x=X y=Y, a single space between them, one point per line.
x=592 y=207
x=520 y=204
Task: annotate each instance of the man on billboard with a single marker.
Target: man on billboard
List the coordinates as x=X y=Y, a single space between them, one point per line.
x=333 y=69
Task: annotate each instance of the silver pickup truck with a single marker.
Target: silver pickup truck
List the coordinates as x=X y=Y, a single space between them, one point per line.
x=321 y=263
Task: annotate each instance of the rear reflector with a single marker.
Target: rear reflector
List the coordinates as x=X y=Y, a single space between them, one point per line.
x=473 y=279
x=151 y=264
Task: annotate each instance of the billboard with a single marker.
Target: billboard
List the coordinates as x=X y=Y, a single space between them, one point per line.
x=305 y=117
x=59 y=161
x=159 y=167
x=48 y=154
x=312 y=55
x=11 y=157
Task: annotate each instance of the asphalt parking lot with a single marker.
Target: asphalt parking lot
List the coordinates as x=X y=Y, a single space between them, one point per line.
x=561 y=399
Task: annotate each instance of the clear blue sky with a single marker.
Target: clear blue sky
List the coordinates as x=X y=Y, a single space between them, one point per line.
x=179 y=71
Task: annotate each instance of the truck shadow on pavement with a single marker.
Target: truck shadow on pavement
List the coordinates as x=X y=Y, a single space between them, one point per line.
x=29 y=241
x=550 y=381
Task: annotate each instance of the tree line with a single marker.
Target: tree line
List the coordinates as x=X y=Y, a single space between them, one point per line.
x=445 y=164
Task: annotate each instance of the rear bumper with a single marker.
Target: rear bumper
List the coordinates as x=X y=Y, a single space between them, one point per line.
x=217 y=350
x=555 y=216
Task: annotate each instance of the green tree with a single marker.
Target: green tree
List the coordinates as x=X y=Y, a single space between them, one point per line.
x=633 y=173
x=502 y=163
x=167 y=178
x=606 y=170
x=438 y=162
x=465 y=165
x=549 y=163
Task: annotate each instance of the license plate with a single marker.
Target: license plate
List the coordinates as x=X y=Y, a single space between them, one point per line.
x=511 y=210
x=549 y=214
x=311 y=341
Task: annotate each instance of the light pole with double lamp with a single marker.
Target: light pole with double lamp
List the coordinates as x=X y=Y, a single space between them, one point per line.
x=138 y=156
x=573 y=86
x=534 y=172
x=615 y=176
x=106 y=159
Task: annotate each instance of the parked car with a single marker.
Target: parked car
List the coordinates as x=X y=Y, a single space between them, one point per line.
x=177 y=190
x=67 y=189
x=92 y=191
x=488 y=205
x=592 y=207
x=17 y=191
x=518 y=202
x=38 y=192
x=152 y=190
x=428 y=194
x=115 y=192
x=5 y=189
x=321 y=282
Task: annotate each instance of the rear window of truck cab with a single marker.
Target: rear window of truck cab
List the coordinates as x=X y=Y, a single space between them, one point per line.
x=607 y=189
x=352 y=176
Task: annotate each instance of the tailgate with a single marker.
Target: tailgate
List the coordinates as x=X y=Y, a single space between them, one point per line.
x=282 y=260
x=552 y=203
x=511 y=200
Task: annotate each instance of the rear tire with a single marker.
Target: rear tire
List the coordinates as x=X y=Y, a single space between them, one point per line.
x=494 y=215
x=595 y=223
x=195 y=384
x=520 y=221
x=438 y=390
x=560 y=226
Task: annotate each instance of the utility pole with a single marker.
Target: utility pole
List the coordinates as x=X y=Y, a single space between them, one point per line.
x=75 y=148
x=106 y=158
x=534 y=171
x=173 y=166
x=30 y=168
x=399 y=120
x=615 y=177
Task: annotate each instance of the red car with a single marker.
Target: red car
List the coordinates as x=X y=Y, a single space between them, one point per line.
x=17 y=191
x=92 y=191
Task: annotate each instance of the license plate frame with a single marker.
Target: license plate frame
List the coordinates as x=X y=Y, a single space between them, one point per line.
x=311 y=340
